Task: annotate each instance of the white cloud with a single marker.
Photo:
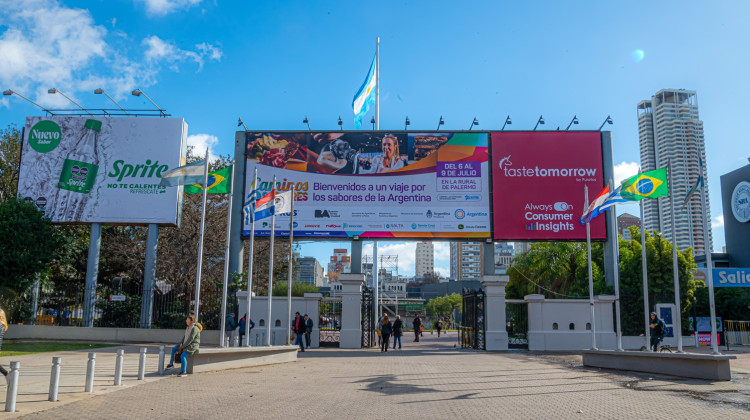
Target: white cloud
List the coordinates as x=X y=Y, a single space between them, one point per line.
x=165 y=7
x=718 y=222
x=201 y=142
x=406 y=252
x=625 y=170
x=159 y=50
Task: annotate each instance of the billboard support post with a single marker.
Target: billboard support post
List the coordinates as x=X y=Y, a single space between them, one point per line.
x=92 y=272
x=608 y=172
x=236 y=246
x=591 y=276
x=149 y=276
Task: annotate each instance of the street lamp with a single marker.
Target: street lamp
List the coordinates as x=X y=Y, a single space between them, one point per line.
x=306 y=121
x=139 y=92
x=441 y=122
x=607 y=121
x=240 y=123
x=407 y=123
x=539 y=121
x=507 y=121
x=53 y=91
x=473 y=123
x=341 y=124
x=372 y=121
x=573 y=121
x=11 y=92
x=100 y=91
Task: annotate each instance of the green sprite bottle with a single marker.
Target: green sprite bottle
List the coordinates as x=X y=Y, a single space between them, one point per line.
x=78 y=173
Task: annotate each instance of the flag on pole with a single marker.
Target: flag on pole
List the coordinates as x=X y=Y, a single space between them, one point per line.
x=651 y=184
x=282 y=203
x=183 y=175
x=698 y=183
x=602 y=202
x=264 y=206
x=365 y=96
x=252 y=198
x=219 y=182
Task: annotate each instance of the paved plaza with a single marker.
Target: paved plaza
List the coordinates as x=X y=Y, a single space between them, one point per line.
x=429 y=379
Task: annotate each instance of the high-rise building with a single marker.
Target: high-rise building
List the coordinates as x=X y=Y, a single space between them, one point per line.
x=424 y=259
x=503 y=256
x=670 y=131
x=340 y=262
x=466 y=261
x=310 y=271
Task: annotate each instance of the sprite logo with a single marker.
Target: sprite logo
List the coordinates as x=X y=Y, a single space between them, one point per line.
x=45 y=136
x=77 y=176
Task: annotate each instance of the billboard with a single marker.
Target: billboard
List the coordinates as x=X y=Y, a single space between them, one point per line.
x=375 y=184
x=102 y=170
x=538 y=183
x=725 y=277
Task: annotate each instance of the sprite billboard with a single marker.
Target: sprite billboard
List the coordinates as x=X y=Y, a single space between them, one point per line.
x=102 y=170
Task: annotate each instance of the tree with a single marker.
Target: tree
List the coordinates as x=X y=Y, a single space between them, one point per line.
x=10 y=160
x=444 y=306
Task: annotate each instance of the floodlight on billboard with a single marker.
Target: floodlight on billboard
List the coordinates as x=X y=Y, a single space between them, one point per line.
x=375 y=184
x=538 y=183
x=102 y=170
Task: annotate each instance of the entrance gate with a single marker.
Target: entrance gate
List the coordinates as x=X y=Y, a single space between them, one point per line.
x=329 y=322
x=517 y=323
x=368 y=320
x=471 y=333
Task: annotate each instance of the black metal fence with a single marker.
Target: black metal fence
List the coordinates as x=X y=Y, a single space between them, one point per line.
x=471 y=332
x=329 y=323
x=517 y=324
x=368 y=318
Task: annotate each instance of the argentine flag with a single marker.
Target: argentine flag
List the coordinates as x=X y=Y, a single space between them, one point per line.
x=365 y=96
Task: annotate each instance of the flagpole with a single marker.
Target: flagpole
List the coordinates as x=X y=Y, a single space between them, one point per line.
x=644 y=268
x=676 y=318
x=270 y=266
x=291 y=265
x=250 y=259
x=616 y=272
x=226 y=267
x=200 y=242
x=377 y=84
x=709 y=266
x=591 y=274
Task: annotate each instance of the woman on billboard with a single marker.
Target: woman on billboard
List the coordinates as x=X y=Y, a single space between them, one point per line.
x=391 y=159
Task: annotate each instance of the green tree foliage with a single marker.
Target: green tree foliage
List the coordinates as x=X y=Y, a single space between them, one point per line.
x=660 y=279
x=10 y=159
x=444 y=306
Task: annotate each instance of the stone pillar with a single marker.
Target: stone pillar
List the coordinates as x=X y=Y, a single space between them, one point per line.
x=534 y=336
x=495 y=336
x=351 y=310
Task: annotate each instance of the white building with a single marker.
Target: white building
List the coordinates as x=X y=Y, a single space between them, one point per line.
x=671 y=131
x=310 y=271
x=466 y=260
x=424 y=259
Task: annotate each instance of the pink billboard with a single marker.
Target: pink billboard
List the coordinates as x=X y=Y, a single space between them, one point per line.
x=538 y=183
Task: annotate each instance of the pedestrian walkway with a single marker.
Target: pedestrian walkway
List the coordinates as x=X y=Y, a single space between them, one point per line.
x=430 y=379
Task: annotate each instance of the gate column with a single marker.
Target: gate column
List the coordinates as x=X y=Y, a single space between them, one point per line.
x=351 y=310
x=495 y=336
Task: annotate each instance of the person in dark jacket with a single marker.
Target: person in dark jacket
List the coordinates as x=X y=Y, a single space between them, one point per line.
x=308 y=329
x=299 y=327
x=386 y=328
x=231 y=324
x=439 y=326
x=417 y=328
x=658 y=329
x=241 y=326
x=398 y=331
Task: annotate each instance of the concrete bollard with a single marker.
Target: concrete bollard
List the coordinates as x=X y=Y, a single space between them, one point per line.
x=142 y=364
x=54 y=378
x=12 y=392
x=228 y=343
x=161 y=360
x=90 y=365
x=236 y=340
x=118 y=367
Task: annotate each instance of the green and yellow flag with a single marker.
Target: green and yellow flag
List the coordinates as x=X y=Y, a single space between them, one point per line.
x=219 y=182
x=651 y=184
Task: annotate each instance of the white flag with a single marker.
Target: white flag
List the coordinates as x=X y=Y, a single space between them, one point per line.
x=283 y=203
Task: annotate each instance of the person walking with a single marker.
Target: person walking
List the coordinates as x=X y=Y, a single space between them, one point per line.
x=298 y=326
x=398 y=331
x=439 y=326
x=658 y=329
x=308 y=329
x=386 y=328
x=230 y=326
x=3 y=328
x=417 y=328
x=241 y=327
x=189 y=345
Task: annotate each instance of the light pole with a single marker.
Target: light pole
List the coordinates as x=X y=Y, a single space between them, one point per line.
x=372 y=121
x=441 y=122
x=100 y=91
x=507 y=122
x=473 y=123
x=407 y=123
x=306 y=121
x=607 y=121
x=341 y=124
x=240 y=123
x=539 y=121
x=139 y=92
x=10 y=92
x=573 y=121
x=54 y=90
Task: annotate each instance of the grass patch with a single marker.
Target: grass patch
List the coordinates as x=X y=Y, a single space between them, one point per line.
x=19 y=348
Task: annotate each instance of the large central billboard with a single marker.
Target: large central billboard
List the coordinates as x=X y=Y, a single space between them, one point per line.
x=375 y=184
x=102 y=170
x=538 y=181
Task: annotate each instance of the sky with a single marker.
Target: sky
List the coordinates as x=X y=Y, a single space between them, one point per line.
x=272 y=63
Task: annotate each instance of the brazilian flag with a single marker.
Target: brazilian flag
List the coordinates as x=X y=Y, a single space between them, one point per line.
x=219 y=182
x=651 y=184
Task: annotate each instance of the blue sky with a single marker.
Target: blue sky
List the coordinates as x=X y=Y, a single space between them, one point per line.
x=272 y=63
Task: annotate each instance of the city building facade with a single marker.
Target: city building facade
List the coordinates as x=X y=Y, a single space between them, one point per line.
x=624 y=221
x=424 y=261
x=310 y=271
x=466 y=260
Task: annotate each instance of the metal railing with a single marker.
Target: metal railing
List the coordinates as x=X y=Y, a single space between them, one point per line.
x=737 y=333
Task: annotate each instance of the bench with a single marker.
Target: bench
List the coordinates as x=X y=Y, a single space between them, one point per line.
x=207 y=359
x=687 y=365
